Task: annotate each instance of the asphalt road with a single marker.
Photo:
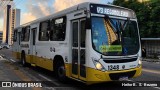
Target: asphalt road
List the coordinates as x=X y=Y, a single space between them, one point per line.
x=12 y=70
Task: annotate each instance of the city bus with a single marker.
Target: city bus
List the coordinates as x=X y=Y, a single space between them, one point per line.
x=88 y=42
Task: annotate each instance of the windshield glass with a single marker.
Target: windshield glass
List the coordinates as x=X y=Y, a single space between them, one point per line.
x=114 y=36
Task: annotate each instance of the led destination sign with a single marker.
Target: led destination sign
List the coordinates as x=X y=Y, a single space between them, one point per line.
x=111 y=10
x=114 y=12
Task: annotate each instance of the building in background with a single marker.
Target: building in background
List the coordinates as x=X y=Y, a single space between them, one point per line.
x=6 y=24
x=1 y=35
x=11 y=20
x=14 y=22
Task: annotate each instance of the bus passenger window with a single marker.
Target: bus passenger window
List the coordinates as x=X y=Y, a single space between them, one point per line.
x=15 y=36
x=25 y=33
x=44 y=31
x=83 y=33
x=75 y=34
x=58 y=29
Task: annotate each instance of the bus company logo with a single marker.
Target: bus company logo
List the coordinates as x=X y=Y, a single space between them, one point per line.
x=6 y=84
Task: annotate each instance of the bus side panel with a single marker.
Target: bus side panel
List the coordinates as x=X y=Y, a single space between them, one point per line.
x=15 y=46
x=44 y=57
x=37 y=60
x=28 y=58
x=46 y=63
x=68 y=68
x=16 y=54
x=68 y=65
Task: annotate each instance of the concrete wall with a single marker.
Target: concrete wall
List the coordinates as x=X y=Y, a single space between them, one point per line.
x=152 y=47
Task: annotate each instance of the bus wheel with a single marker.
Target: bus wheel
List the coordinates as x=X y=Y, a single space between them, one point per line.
x=61 y=72
x=23 y=60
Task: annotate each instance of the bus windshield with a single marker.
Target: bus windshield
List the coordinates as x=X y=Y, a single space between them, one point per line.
x=114 y=36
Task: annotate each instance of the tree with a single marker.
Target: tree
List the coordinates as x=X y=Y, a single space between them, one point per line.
x=148 y=15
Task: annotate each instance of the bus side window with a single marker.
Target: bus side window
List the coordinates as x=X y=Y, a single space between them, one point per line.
x=25 y=33
x=44 y=31
x=52 y=30
x=75 y=34
x=58 y=29
x=15 y=36
x=83 y=33
x=19 y=41
x=22 y=34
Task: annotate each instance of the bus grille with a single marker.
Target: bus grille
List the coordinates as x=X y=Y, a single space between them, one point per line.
x=119 y=60
x=116 y=76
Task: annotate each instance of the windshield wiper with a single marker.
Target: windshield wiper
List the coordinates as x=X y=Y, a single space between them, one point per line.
x=128 y=21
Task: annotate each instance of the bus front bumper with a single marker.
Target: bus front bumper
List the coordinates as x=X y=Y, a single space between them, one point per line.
x=96 y=76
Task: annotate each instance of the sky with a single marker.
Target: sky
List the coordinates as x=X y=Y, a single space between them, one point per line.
x=33 y=9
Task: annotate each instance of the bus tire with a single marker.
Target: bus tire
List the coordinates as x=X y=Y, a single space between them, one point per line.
x=60 y=72
x=23 y=60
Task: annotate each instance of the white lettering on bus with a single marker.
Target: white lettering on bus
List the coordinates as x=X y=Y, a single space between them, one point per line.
x=112 y=12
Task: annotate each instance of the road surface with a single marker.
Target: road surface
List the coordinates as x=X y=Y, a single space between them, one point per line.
x=12 y=70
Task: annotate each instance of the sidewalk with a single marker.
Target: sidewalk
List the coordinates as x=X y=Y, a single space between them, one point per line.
x=9 y=72
x=151 y=60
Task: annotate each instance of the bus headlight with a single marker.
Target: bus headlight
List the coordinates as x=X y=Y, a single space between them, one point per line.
x=139 y=62
x=98 y=65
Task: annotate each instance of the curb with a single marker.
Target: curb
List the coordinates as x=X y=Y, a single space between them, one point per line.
x=151 y=60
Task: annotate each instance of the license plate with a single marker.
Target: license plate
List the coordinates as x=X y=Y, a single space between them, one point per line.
x=113 y=67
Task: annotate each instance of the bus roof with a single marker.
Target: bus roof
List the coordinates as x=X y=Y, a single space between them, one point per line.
x=84 y=5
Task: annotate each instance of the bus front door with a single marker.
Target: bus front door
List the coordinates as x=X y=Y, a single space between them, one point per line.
x=78 y=49
x=33 y=47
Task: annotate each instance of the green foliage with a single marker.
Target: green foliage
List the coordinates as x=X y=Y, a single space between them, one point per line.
x=148 y=15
